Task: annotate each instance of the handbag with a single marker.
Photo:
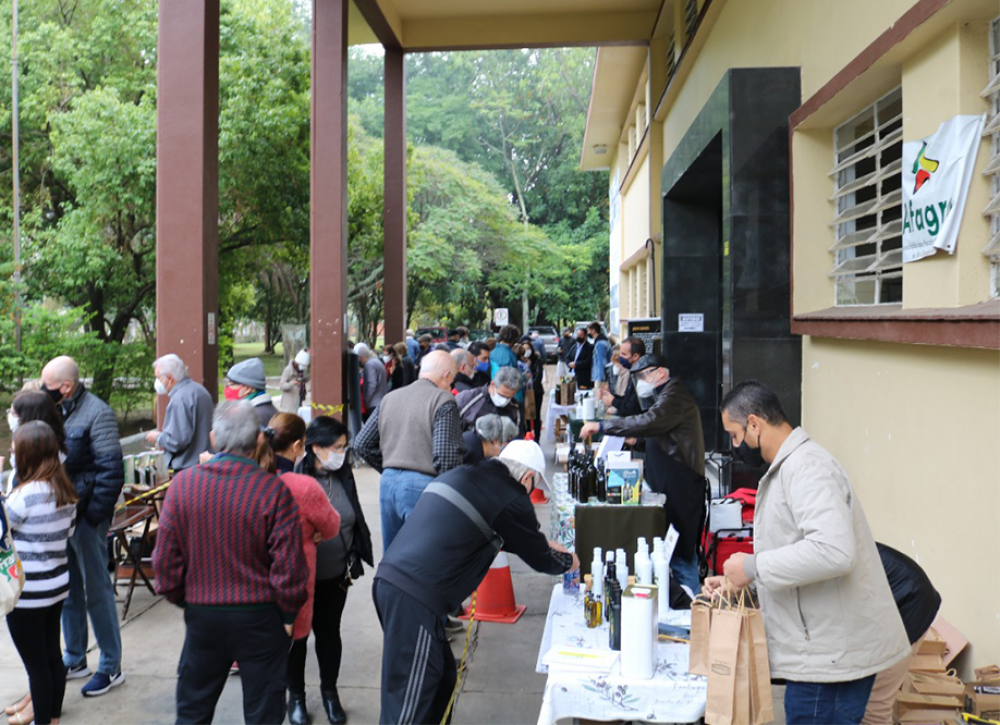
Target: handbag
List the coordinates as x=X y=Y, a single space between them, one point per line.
x=11 y=569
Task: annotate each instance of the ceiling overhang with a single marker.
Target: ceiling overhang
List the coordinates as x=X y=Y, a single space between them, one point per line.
x=616 y=73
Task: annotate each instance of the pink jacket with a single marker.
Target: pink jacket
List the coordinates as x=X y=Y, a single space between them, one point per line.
x=317 y=516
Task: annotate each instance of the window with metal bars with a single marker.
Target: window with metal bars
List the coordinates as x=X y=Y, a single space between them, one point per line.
x=690 y=16
x=868 y=194
x=671 y=59
x=992 y=170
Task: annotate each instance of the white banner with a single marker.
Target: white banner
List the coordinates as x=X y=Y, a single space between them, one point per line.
x=937 y=171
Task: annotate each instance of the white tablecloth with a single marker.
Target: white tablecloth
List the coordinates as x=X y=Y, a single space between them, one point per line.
x=671 y=696
x=554 y=412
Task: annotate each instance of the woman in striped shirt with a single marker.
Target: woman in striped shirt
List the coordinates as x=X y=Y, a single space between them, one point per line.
x=42 y=513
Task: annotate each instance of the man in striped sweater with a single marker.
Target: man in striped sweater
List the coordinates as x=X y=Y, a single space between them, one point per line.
x=229 y=550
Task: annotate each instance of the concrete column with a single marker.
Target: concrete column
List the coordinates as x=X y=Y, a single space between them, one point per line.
x=395 y=196
x=328 y=208
x=187 y=187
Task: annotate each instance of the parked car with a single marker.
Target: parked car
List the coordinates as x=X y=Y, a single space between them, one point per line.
x=438 y=334
x=550 y=336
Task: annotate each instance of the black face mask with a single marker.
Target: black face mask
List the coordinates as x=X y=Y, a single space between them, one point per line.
x=749 y=456
x=53 y=393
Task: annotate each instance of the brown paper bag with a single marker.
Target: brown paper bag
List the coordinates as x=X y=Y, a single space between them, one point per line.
x=701 y=624
x=742 y=698
x=723 y=651
x=760 y=681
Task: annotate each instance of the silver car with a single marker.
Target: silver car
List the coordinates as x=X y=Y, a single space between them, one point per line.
x=549 y=336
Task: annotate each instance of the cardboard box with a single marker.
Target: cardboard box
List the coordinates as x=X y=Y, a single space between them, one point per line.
x=927 y=717
x=917 y=701
x=567 y=393
x=983 y=700
x=988 y=675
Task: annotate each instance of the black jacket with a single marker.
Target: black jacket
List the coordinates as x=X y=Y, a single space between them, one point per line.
x=584 y=364
x=361 y=545
x=917 y=599
x=473 y=448
x=628 y=404
x=462 y=383
x=675 y=457
x=440 y=556
x=565 y=349
x=93 y=454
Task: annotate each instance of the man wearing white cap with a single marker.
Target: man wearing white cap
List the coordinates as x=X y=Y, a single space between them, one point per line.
x=437 y=560
x=293 y=383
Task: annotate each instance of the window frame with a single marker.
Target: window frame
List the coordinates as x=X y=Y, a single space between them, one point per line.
x=992 y=168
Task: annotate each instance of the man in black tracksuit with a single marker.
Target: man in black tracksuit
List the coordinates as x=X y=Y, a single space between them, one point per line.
x=439 y=557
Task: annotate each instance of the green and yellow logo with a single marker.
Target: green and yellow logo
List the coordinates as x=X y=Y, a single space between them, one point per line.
x=923 y=167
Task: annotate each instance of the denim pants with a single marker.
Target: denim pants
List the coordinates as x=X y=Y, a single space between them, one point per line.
x=827 y=703
x=398 y=494
x=685 y=571
x=91 y=592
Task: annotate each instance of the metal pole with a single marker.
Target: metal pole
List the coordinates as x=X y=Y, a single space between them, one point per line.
x=16 y=172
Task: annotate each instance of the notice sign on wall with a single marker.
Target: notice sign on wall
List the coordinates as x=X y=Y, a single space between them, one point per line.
x=690 y=322
x=937 y=171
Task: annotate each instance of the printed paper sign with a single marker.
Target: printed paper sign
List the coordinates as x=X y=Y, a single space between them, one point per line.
x=500 y=316
x=691 y=322
x=937 y=171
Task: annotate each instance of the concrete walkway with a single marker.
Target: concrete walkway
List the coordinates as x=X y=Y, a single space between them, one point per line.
x=502 y=686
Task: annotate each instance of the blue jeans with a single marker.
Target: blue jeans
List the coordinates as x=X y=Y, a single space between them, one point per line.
x=685 y=571
x=827 y=703
x=398 y=494
x=91 y=592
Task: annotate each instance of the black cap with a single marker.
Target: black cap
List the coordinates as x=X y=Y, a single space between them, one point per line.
x=646 y=362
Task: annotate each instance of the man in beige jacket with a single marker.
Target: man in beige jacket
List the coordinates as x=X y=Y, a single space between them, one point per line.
x=831 y=621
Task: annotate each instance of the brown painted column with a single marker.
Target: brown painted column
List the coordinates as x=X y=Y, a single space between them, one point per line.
x=187 y=187
x=395 y=196
x=328 y=225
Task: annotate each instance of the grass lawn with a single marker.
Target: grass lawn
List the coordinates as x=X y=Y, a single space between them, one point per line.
x=273 y=364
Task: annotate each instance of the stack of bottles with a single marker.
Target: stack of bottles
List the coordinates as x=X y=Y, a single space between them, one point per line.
x=587 y=480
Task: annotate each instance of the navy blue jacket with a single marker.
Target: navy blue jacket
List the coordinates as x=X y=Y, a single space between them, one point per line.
x=93 y=454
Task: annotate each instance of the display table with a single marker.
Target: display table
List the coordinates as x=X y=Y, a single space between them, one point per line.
x=554 y=412
x=672 y=695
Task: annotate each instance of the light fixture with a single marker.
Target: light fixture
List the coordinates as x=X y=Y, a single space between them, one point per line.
x=600 y=149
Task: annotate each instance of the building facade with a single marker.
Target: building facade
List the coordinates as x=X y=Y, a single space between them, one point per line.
x=754 y=157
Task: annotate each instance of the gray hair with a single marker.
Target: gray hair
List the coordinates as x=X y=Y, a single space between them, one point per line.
x=496 y=429
x=463 y=357
x=170 y=364
x=236 y=426
x=509 y=378
x=362 y=351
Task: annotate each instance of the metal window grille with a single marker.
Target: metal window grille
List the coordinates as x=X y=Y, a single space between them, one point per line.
x=992 y=170
x=690 y=16
x=671 y=55
x=868 y=194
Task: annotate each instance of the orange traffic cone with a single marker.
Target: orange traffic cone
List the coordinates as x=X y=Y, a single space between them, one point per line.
x=495 y=595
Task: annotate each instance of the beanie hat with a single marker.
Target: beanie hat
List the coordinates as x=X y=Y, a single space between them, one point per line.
x=249 y=372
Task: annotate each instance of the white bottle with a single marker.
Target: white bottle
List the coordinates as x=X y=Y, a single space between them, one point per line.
x=621 y=567
x=597 y=573
x=643 y=569
x=661 y=577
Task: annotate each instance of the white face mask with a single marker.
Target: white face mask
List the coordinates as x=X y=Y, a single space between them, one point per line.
x=645 y=389
x=387 y=358
x=62 y=457
x=335 y=461
x=499 y=400
x=12 y=421
x=527 y=354
x=617 y=369
x=160 y=388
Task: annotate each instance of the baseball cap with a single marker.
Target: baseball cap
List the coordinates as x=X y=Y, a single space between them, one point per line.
x=527 y=453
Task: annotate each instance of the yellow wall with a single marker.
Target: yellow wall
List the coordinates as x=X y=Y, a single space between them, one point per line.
x=636 y=211
x=918 y=430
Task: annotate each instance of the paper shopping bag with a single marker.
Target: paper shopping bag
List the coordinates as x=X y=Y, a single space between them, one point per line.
x=723 y=651
x=760 y=680
x=701 y=624
x=741 y=688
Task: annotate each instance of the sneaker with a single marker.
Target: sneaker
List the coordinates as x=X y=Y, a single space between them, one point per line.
x=454 y=624
x=101 y=683
x=234 y=669
x=75 y=672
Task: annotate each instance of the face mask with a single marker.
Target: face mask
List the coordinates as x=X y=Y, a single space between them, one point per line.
x=55 y=393
x=590 y=340
x=618 y=369
x=581 y=340
x=749 y=456
x=645 y=389
x=527 y=354
x=160 y=388
x=232 y=392
x=483 y=366
x=335 y=461
x=387 y=358
x=498 y=400
x=624 y=362
x=12 y=421
x=62 y=457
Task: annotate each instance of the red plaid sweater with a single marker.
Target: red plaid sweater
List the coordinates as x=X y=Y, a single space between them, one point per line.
x=230 y=535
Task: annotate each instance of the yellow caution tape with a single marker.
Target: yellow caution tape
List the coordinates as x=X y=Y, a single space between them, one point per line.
x=461 y=667
x=142 y=496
